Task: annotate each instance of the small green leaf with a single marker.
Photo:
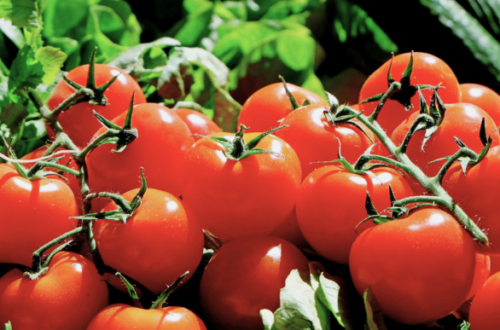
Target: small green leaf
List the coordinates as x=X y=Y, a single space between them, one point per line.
x=8 y=326
x=52 y=60
x=374 y=317
x=176 y=78
x=464 y=325
x=22 y=13
x=130 y=289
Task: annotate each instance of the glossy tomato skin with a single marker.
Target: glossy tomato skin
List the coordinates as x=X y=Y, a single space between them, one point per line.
x=125 y=317
x=484 y=309
x=483 y=97
x=79 y=121
x=461 y=120
x=32 y=214
x=159 y=243
x=245 y=276
x=331 y=204
x=314 y=139
x=481 y=274
x=476 y=192
x=68 y=296
x=419 y=268
x=249 y=197
x=160 y=149
x=67 y=160
x=264 y=108
x=427 y=69
x=197 y=122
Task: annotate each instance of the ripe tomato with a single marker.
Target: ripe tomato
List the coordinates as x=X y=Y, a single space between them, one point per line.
x=249 y=197
x=160 y=148
x=66 y=297
x=245 y=276
x=124 y=317
x=160 y=242
x=476 y=192
x=331 y=204
x=481 y=274
x=483 y=97
x=427 y=69
x=484 y=309
x=314 y=139
x=461 y=120
x=32 y=214
x=264 y=108
x=419 y=268
x=197 y=122
x=79 y=121
x=72 y=181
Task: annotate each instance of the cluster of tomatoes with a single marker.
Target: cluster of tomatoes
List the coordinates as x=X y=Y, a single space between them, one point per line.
x=266 y=192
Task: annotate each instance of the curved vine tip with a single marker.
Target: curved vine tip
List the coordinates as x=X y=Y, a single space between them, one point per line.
x=293 y=100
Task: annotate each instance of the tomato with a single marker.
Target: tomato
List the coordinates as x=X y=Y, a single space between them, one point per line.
x=481 y=274
x=495 y=265
x=66 y=297
x=197 y=122
x=484 y=309
x=331 y=204
x=477 y=192
x=79 y=121
x=245 y=276
x=315 y=139
x=419 y=268
x=32 y=214
x=289 y=230
x=483 y=97
x=461 y=120
x=249 y=197
x=160 y=148
x=67 y=160
x=158 y=243
x=264 y=108
x=124 y=317
x=427 y=69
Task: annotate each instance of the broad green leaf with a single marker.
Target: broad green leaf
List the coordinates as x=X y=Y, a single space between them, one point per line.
x=332 y=293
x=313 y=84
x=193 y=28
x=22 y=13
x=108 y=19
x=12 y=32
x=479 y=41
x=237 y=8
x=296 y=51
x=61 y=16
x=374 y=317
x=130 y=34
x=52 y=60
x=217 y=71
x=67 y=45
x=176 y=78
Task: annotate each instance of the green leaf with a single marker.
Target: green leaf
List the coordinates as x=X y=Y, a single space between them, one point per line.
x=8 y=326
x=313 y=84
x=52 y=59
x=374 y=317
x=193 y=28
x=464 y=325
x=12 y=32
x=22 y=13
x=268 y=319
x=479 y=41
x=61 y=16
x=332 y=292
x=176 y=78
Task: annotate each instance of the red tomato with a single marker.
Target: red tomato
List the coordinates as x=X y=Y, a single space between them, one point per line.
x=483 y=97
x=245 y=276
x=427 y=69
x=160 y=148
x=495 y=265
x=158 y=243
x=331 y=204
x=197 y=122
x=73 y=182
x=249 y=197
x=461 y=120
x=289 y=230
x=66 y=297
x=484 y=309
x=481 y=274
x=419 y=268
x=124 y=317
x=264 y=108
x=32 y=214
x=315 y=139
x=476 y=192
x=79 y=121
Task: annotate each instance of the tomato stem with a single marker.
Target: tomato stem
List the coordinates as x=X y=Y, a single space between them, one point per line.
x=394 y=86
x=165 y=294
x=293 y=100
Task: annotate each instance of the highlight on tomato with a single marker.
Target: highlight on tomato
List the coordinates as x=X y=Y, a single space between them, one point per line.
x=197 y=122
x=483 y=97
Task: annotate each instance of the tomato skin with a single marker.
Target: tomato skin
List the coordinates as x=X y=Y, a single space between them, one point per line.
x=79 y=121
x=160 y=148
x=461 y=120
x=481 y=274
x=476 y=192
x=197 y=122
x=484 y=309
x=264 y=108
x=245 y=276
x=427 y=69
x=483 y=97
x=125 y=317
x=331 y=204
x=32 y=214
x=419 y=268
x=250 y=197
x=314 y=139
x=66 y=297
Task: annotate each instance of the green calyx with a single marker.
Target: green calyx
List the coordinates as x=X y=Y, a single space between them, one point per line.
x=238 y=149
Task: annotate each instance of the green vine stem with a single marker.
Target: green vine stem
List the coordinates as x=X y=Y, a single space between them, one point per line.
x=165 y=294
x=403 y=161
